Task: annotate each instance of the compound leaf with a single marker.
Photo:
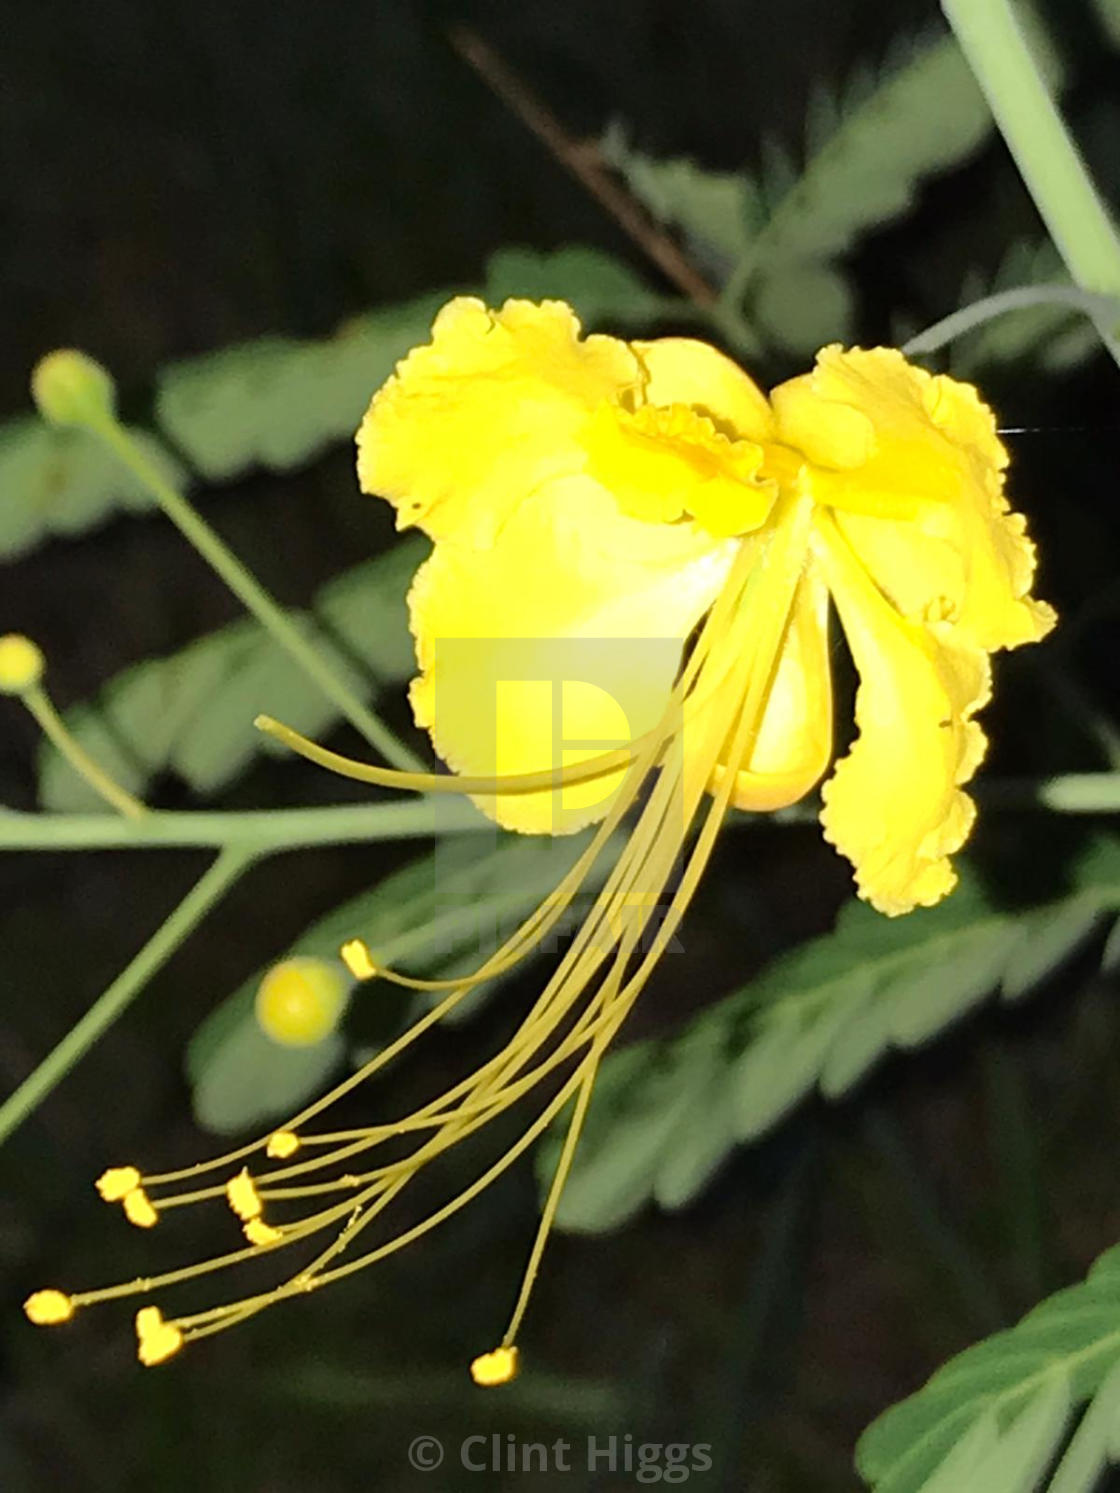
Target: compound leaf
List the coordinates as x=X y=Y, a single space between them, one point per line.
x=440 y=915
x=62 y=482
x=192 y=713
x=993 y=1419
x=715 y=211
x=667 y=1112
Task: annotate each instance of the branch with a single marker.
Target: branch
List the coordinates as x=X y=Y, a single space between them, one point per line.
x=582 y=160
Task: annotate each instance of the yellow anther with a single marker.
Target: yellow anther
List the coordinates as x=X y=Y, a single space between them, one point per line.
x=497 y=1367
x=242 y=1195
x=115 y=1184
x=45 y=1308
x=138 y=1208
x=71 y=389
x=282 y=1144
x=156 y=1338
x=21 y=664
x=301 y=1000
x=259 y=1232
x=358 y=960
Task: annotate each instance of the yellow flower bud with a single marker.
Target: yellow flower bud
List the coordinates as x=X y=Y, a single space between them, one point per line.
x=69 y=388
x=46 y=1308
x=117 y=1182
x=21 y=664
x=498 y=1367
x=157 y=1339
x=300 y=1001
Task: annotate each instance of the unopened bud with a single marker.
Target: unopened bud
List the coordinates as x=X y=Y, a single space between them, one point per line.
x=21 y=664
x=69 y=388
x=301 y=1000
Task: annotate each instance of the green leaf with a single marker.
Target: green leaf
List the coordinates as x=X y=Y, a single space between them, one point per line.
x=192 y=713
x=248 y=1080
x=993 y=1419
x=802 y=305
x=601 y=288
x=639 y=1102
x=1049 y=939
x=1096 y=1443
x=1108 y=12
x=870 y=146
x=439 y=916
x=716 y=211
x=62 y=482
x=666 y=1113
x=276 y=402
x=279 y=403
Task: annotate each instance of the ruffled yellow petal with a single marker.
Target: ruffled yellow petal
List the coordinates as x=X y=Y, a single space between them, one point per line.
x=486 y=412
x=794 y=743
x=894 y=805
x=680 y=370
x=924 y=505
x=667 y=462
x=572 y=591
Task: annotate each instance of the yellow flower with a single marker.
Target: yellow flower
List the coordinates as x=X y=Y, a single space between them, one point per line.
x=591 y=490
x=626 y=613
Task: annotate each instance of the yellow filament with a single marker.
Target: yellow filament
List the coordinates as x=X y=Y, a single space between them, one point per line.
x=731 y=667
x=431 y=782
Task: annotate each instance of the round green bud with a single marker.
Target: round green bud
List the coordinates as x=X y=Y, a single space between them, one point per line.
x=300 y=1001
x=21 y=664
x=69 y=388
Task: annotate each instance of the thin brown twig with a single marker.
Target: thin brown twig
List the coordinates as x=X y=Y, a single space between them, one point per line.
x=583 y=160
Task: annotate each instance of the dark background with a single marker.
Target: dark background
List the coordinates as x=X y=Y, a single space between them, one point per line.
x=183 y=176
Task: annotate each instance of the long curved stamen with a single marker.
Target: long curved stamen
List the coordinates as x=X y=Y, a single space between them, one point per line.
x=598 y=766
x=581 y=1006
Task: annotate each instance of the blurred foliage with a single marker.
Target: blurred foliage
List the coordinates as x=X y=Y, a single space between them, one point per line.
x=192 y=713
x=868 y=146
x=1109 y=13
x=666 y=1113
x=439 y=916
x=1050 y=335
x=63 y=482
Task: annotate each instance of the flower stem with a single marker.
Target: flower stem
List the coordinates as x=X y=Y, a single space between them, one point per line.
x=66 y=744
x=252 y=594
x=206 y=892
x=1047 y=158
x=270 y=831
x=259 y=832
x=1023 y=297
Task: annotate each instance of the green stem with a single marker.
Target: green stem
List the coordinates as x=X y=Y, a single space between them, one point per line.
x=1079 y=793
x=261 y=832
x=206 y=892
x=1046 y=156
x=268 y=831
x=1096 y=307
x=252 y=594
x=54 y=729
